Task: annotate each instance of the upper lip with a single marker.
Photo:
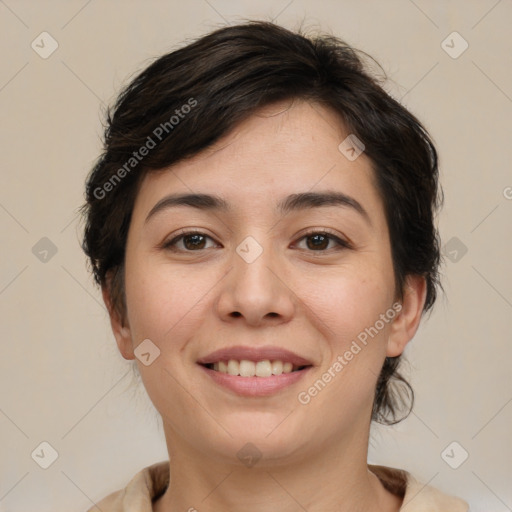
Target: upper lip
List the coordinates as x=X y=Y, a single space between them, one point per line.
x=254 y=354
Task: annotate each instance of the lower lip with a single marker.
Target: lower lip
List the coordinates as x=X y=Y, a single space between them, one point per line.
x=256 y=386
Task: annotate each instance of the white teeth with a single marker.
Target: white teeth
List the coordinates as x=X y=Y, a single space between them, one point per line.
x=246 y=368
x=277 y=367
x=233 y=367
x=263 y=368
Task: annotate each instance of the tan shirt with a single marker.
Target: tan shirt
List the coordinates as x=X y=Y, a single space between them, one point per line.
x=152 y=481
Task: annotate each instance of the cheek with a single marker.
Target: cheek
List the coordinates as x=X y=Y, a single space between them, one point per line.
x=157 y=299
x=347 y=310
x=166 y=306
x=346 y=302
x=164 y=303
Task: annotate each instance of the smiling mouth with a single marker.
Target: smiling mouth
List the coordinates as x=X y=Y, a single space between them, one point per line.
x=246 y=368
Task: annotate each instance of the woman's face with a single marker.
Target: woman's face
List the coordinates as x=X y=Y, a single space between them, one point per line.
x=265 y=274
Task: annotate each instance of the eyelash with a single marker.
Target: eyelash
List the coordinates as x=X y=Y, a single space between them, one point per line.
x=342 y=244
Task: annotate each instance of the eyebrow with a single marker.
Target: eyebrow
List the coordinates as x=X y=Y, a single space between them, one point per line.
x=293 y=202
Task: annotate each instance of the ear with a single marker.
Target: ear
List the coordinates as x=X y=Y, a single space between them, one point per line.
x=407 y=321
x=121 y=332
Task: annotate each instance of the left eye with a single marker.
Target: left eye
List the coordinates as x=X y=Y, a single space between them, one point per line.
x=319 y=241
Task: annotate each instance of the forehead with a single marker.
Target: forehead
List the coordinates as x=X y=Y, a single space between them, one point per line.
x=284 y=148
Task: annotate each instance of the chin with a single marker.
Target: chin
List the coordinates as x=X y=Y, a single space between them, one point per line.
x=263 y=436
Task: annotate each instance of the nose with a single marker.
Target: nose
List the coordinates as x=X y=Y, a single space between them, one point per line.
x=255 y=291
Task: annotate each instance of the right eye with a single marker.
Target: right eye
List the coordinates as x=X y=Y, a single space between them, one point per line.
x=191 y=241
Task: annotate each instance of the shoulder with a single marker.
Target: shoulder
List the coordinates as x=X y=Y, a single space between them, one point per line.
x=417 y=496
x=141 y=490
x=420 y=497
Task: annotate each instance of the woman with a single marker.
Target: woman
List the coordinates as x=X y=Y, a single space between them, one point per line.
x=261 y=226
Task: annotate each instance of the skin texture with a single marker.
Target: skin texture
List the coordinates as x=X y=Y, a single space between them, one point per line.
x=311 y=301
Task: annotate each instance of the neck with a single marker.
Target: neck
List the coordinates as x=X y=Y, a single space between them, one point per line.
x=333 y=479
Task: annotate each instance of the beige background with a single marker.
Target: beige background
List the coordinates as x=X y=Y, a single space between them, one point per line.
x=62 y=379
